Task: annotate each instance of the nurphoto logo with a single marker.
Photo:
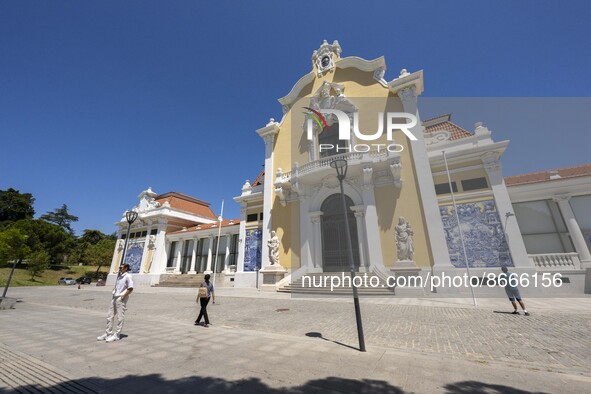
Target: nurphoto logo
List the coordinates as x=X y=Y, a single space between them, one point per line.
x=344 y=120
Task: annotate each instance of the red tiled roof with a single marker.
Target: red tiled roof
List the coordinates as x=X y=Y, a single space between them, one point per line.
x=443 y=123
x=186 y=203
x=544 y=176
x=225 y=223
x=259 y=179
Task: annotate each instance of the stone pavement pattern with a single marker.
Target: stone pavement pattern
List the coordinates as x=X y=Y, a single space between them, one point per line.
x=259 y=345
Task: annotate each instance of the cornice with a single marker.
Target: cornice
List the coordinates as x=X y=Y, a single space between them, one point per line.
x=406 y=80
x=377 y=66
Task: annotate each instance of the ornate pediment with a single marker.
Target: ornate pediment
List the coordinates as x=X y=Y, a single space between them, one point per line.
x=325 y=57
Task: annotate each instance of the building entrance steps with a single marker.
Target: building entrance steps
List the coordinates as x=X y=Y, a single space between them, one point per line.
x=338 y=284
x=181 y=280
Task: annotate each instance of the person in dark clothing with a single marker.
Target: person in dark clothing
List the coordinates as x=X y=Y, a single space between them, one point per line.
x=205 y=294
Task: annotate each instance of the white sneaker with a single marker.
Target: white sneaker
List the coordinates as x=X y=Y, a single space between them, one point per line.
x=102 y=337
x=113 y=338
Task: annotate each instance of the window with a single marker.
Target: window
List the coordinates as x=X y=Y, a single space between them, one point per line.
x=220 y=251
x=252 y=217
x=330 y=137
x=201 y=257
x=261 y=216
x=233 y=258
x=144 y=233
x=154 y=231
x=443 y=188
x=474 y=184
x=172 y=255
x=187 y=254
x=542 y=227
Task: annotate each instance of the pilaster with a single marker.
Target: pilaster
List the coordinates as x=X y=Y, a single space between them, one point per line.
x=159 y=265
x=316 y=241
x=268 y=134
x=493 y=168
x=372 y=232
x=359 y=212
x=435 y=233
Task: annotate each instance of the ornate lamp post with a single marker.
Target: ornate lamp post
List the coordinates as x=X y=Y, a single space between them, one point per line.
x=130 y=216
x=340 y=165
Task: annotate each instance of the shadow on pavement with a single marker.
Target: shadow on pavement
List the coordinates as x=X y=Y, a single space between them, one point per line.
x=473 y=387
x=156 y=384
x=319 y=335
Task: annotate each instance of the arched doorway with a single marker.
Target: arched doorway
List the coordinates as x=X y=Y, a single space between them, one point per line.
x=335 y=256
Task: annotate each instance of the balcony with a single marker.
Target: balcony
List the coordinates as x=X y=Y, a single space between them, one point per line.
x=375 y=167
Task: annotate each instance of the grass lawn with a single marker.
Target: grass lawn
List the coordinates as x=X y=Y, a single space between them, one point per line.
x=50 y=277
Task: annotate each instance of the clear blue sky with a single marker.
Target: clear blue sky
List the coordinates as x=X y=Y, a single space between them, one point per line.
x=99 y=100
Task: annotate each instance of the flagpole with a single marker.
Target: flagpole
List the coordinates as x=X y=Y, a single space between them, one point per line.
x=217 y=248
x=453 y=201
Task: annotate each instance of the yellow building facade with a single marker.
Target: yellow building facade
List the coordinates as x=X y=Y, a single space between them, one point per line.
x=397 y=200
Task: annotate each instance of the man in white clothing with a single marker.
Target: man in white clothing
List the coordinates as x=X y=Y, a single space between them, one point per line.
x=121 y=292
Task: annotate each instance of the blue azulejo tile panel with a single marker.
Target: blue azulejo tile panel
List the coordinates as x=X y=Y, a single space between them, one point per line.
x=252 y=249
x=133 y=256
x=484 y=238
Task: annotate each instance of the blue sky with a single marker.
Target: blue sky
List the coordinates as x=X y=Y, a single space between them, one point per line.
x=99 y=100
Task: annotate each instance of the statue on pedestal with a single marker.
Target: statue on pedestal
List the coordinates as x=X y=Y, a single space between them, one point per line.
x=404 y=242
x=273 y=245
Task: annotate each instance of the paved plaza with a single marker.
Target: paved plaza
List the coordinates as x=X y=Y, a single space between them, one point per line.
x=269 y=342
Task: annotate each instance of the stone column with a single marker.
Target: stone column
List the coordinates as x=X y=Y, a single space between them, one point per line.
x=179 y=256
x=209 y=255
x=316 y=242
x=268 y=134
x=227 y=255
x=436 y=234
x=193 y=257
x=359 y=212
x=576 y=235
x=493 y=168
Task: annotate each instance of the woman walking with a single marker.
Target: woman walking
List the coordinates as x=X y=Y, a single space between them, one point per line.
x=205 y=293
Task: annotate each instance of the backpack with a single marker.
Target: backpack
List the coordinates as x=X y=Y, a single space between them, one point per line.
x=203 y=292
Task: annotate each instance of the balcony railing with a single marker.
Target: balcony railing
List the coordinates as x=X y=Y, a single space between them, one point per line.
x=325 y=162
x=556 y=261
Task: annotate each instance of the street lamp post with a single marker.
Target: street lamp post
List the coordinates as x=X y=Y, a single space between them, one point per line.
x=9 y=277
x=340 y=165
x=130 y=216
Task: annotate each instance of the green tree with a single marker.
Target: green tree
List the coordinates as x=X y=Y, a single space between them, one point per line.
x=61 y=217
x=15 y=206
x=45 y=236
x=91 y=236
x=13 y=245
x=38 y=262
x=101 y=253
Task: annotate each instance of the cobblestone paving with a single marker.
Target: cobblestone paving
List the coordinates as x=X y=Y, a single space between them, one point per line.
x=547 y=340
